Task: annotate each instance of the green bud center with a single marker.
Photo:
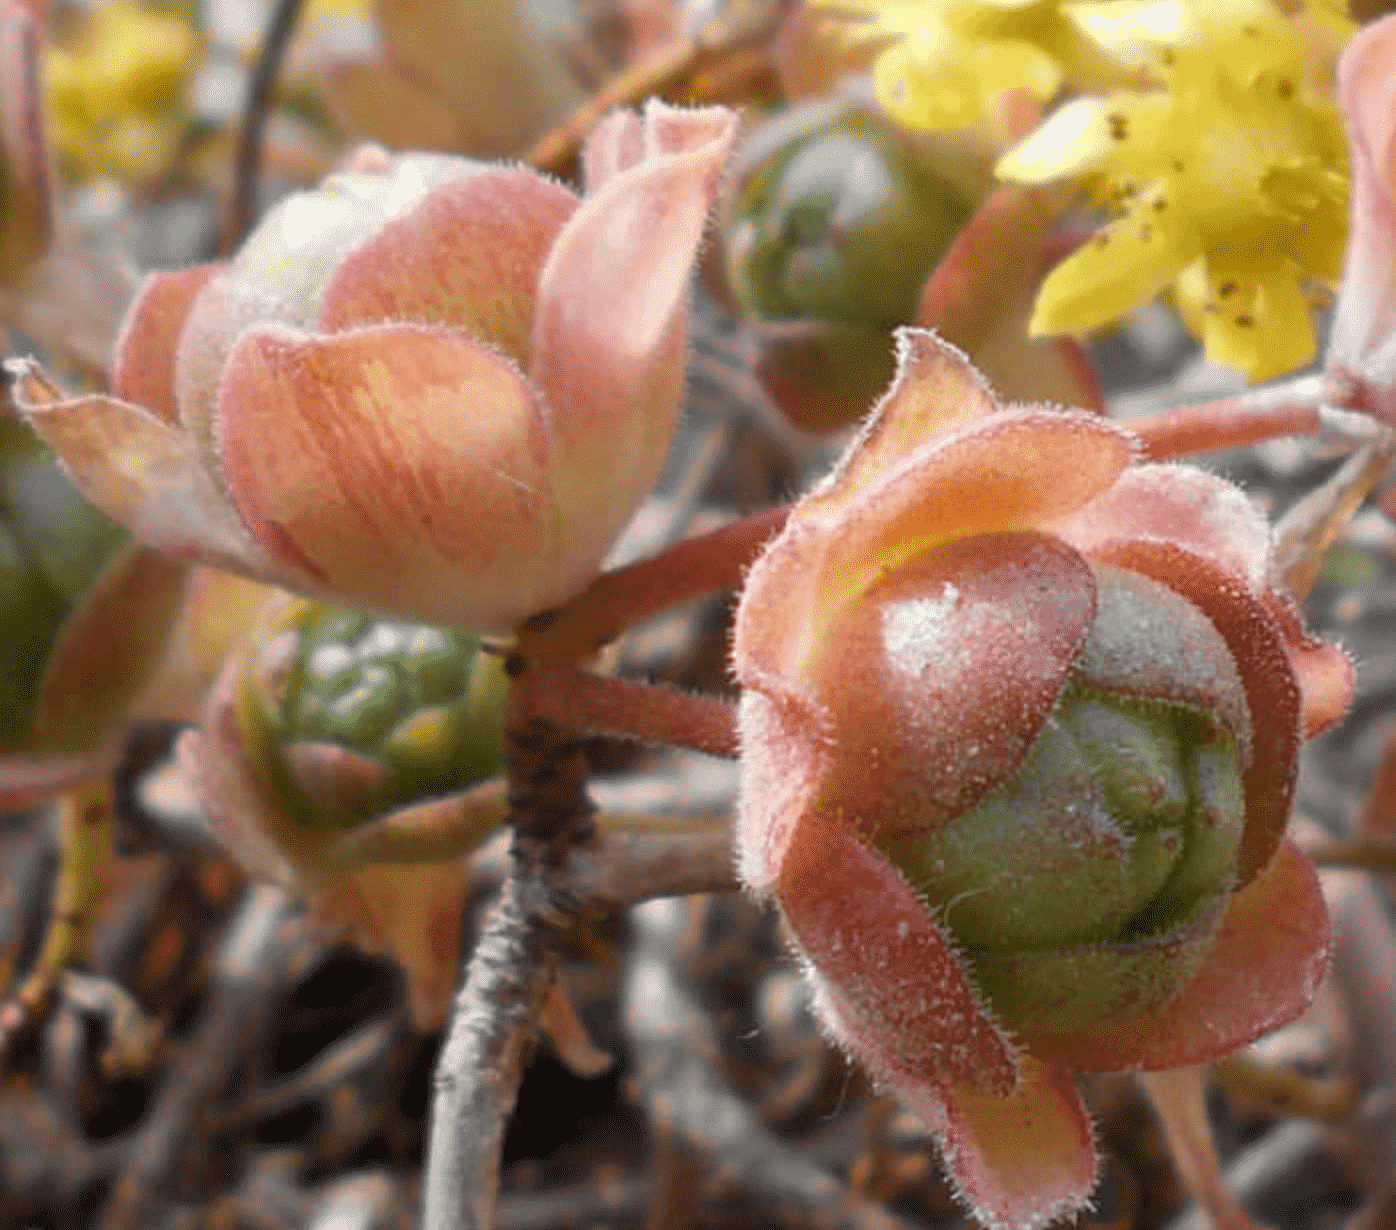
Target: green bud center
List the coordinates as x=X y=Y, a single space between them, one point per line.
x=1121 y=826
x=419 y=703
x=841 y=224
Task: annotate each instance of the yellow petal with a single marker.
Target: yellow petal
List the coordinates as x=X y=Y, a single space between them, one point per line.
x=1126 y=263
x=1122 y=134
x=1259 y=318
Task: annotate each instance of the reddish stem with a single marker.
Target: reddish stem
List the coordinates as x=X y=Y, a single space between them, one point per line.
x=689 y=569
x=648 y=713
x=1232 y=422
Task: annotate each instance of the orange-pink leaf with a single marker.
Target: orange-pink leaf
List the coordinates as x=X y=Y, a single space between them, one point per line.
x=1009 y=471
x=1019 y=1162
x=143 y=371
x=394 y=459
x=1363 y=346
x=467 y=254
x=609 y=331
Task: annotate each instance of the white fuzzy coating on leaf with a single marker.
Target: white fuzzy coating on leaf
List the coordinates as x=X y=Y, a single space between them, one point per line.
x=1149 y=642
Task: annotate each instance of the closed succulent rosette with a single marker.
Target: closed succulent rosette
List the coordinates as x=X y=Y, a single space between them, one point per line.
x=1020 y=725
x=327 y=725
x=832 y=224
x=357 y=714
x=431 y=387
x=83 y=619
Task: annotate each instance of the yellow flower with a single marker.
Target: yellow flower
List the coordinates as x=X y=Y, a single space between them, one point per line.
x=1230 y=181
x=944 y=61
x=116 y=90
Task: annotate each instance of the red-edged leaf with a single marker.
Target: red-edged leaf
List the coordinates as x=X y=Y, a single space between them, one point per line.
x=940 y=677
x=1327 y=679
x=1261 y=973
x=1257 y=644
x=872 y=942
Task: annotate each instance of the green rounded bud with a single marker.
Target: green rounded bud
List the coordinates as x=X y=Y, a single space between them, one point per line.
x=54 y=547
x=836 y=218
x=364 y=714
x=1120 y=827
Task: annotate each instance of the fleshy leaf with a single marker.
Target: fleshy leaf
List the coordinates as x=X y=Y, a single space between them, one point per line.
x=1149 y=641
x=1327 y=679
x=1020 y=1162
x=1363 y=342
x=143 y=371
x=412 y=914
x=1260 y=973
x=935 y=389
x=616 y=144
x=1096 y=986
x=785 y=754
x=468 y=254
x=940 y=677
x=1179 y=504
x=337 y=449
x=109 y=647
x=1009 y=471
x=614 y=289
x=140 y=471
x=1257 y=645
x=872 y=940
x=980 y=297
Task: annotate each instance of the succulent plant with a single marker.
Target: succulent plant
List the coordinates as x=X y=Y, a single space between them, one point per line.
x=354 y=715
x=832 y=226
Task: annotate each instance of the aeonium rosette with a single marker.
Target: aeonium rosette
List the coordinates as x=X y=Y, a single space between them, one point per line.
x=326 y=723
x=432 y=387
x=1019 y=727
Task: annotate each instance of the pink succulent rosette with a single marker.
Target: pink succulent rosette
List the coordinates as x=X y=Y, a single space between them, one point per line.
x=1020 y=723
x=1361 y=359
x=433 y=386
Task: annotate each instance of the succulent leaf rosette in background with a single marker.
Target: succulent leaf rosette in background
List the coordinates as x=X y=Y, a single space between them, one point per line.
x=84 y=614
x=433 y=387
x=1020 y=723
x=324 y=720
x=832 y=224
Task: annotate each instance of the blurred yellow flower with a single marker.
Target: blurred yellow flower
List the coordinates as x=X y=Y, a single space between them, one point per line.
x=944 y=61
x=1230 y=180
x=116 y=90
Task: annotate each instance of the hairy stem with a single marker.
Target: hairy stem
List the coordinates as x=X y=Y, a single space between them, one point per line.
x=1291 y=409
x=689 y=569
x=508 y=977
x=628 y=709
